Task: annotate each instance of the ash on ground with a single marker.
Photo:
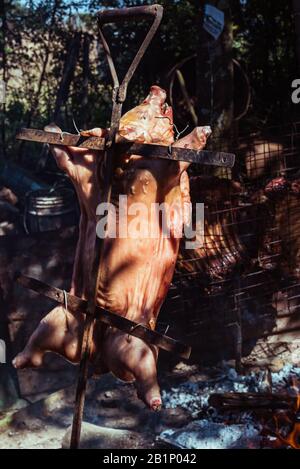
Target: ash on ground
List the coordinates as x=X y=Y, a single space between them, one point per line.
x=185 y=421
x=211 y=429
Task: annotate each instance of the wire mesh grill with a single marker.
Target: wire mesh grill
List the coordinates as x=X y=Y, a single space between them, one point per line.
x=245 y=280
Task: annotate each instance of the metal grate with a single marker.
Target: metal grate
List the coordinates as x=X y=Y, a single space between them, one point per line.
x=245 y=281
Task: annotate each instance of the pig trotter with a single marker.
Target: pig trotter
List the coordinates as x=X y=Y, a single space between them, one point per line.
x=30 y=358
x=54 y=334
x=148 y=390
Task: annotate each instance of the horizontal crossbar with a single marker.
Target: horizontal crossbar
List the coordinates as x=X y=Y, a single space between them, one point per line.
x=76 y=304
x=203 y=157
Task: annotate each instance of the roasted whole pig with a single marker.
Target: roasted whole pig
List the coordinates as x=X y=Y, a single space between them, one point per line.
x=136 y=272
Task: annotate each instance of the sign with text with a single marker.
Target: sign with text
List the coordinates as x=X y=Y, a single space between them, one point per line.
x=2 y=351
x=214 y=21
x=2 y=92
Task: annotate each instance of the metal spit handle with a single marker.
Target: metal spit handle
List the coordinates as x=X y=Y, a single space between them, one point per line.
x=123 y=14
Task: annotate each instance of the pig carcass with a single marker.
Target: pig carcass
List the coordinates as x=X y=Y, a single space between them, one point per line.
x=136 y=271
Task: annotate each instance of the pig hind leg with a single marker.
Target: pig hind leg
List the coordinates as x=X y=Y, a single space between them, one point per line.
x=134 y=360
x=146 y=381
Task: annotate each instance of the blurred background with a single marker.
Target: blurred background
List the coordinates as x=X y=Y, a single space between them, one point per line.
x=54 y=68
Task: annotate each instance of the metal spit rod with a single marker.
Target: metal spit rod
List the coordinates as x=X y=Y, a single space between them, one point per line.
x=119 y=95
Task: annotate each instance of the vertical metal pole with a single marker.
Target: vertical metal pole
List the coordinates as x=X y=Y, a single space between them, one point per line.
x=119 y=96
x=93 y=284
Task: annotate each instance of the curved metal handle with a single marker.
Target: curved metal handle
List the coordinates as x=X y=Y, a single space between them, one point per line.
x=124 y=14
x=110 y=16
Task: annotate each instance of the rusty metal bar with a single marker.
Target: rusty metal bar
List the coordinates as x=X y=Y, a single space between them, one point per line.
x=64 y=138
x=122 y=14
x=119 y=15
x=203 y=157
x=119 y=96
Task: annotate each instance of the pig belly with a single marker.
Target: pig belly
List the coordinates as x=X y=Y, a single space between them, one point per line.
x=136 y=274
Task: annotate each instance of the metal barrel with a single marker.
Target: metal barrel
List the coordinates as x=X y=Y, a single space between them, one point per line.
x=50 y=210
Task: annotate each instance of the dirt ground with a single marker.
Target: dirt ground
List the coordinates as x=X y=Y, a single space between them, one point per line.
x=48 y=393
x=109 y=403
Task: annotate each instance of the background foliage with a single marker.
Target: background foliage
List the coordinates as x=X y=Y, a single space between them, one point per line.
x=36 y=37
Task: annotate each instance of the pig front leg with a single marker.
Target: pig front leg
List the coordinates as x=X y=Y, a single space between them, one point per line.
x=196 y=140
x=59 y=332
